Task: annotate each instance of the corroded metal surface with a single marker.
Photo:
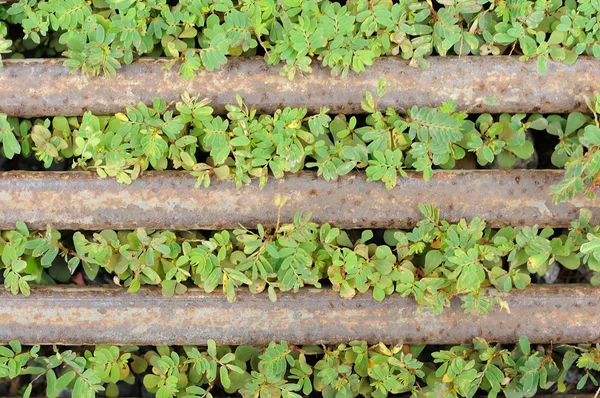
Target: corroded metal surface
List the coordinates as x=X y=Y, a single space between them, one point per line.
x=477 y=84
x=169 y=200
x=67 y=315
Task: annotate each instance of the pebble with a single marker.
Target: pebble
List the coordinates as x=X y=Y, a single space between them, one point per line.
x=551 y=274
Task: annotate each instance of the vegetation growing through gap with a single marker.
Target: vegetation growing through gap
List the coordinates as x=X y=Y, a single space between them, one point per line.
x=244 y=145
x=431 y=263
x=100 y=36
x=285 y=370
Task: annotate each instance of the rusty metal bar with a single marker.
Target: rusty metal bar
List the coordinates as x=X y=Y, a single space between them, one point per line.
x=169 y=200
x=35 y=87
x=68 y=315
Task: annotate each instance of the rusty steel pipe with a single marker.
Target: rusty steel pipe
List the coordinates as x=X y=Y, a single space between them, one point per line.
x=85 y=315
x=44 y=87
x=169 y=200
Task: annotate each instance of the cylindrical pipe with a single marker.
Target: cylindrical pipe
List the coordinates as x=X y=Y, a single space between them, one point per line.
x=44 y=87
x=66 y=315
x=169 y=200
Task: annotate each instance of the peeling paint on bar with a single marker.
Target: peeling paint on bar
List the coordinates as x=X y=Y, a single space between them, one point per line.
x=169 y=200
x=88 y=315
x=44 y=87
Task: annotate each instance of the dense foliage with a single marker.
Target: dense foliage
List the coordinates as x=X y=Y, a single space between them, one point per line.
x=285 y=370
x=98 y=36
x=244 y=145
x=432 y=263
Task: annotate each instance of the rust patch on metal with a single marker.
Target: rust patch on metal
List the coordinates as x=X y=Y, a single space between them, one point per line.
x=169 y=200
x=44 y=87
x=80 y=315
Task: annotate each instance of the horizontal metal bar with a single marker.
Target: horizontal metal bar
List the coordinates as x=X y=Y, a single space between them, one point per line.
x=169 y=200
x=68 y=315
x=35 y=87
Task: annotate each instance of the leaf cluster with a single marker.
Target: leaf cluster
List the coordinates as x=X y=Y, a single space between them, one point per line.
x=578 y=151
x=100 y=36
x=86 y=373
x=288 y=371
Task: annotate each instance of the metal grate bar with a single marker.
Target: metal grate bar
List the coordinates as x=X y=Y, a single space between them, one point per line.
x=44 y=87
x=68 y=315
x=169 y=200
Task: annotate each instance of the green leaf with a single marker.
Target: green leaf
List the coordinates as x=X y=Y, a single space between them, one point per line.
x=240 y=141
x=64 y=380
x=571 y=261
x=211 y=347
x=10 y=145
x=524 y=345
x=494 y=376
x=28 y=390
x=378 y=293
x=51 y=385
x=433 y=259
x=224 y=377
